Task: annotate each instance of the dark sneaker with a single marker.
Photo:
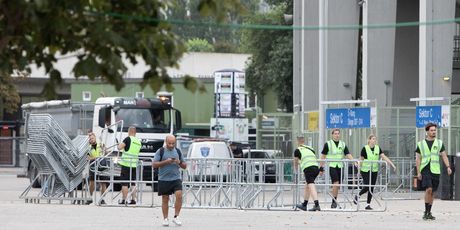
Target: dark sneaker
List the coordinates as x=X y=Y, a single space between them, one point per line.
x=132 y=202
x=430 y=217
x=425 y=216
x=368 y=208
x=315 y=208
x=355 y=201
x=334 y=205
x=89 y=202
x=301 y=206
x=122 y=202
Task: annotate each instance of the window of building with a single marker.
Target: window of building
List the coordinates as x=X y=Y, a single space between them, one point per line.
x=86 y=95
x=140 y=94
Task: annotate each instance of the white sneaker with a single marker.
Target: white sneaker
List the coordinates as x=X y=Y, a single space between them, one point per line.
x=177 y=221
x=165 y=222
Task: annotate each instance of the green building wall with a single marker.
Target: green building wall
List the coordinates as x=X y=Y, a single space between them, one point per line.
x=196 y=108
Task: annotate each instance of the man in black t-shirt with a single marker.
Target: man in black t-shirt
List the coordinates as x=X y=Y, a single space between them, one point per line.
x=334 y=151
x=428 y=166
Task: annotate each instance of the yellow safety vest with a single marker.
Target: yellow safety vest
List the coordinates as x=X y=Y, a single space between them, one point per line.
x=430 y=157
x=131 y=156
x=96 y=152
x=335 y=153
x=308 y=157
x=371 y=156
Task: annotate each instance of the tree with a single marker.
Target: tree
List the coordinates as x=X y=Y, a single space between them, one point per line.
x=199 y=45
x=100 y=33
x=224 y=39
x=272 y=59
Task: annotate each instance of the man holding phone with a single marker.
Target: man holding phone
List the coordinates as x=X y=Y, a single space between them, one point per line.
x=169 y=177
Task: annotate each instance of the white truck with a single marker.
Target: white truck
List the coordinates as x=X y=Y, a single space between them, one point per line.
x=153 y=119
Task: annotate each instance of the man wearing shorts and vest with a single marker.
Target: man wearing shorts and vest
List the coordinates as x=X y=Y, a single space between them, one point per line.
x=428 y=166
x=306 y=157
x=128 y=162
x=96 y=151
x=169 y=177
x=335 y=149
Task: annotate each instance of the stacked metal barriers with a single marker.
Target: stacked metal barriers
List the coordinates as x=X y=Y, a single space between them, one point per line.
x=60 y=161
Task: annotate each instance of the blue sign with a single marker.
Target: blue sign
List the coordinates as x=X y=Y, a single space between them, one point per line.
x=204 y=151
x=348 y=118
x=427 y=114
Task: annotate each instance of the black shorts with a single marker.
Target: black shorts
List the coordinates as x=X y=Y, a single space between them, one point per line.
x=91 y=174
x=91 y=177
x=336 y=174
x=127 y=173
x=169 y=187
x=310 y=174
x=429 y=179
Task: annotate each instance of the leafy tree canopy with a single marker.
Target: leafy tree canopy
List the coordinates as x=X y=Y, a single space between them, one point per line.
x=100 y=32
x=199 y=45
x=271 y=64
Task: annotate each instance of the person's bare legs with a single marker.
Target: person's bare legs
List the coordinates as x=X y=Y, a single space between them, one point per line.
x=164 y=205
x=306 y=192
x=124 y=192
x=178 y=203
x=335 y=189
x=91 y=187
x=312 y=190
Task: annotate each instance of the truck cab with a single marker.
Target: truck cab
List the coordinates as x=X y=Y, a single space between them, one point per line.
x=153 y=119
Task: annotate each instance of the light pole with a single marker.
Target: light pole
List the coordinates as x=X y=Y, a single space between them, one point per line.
x=387 y=84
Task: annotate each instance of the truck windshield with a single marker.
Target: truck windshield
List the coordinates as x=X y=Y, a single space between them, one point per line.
x=145 y=120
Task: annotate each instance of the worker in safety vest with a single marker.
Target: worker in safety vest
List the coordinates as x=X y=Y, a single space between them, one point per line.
x=95 y=152
x=369 y=170
x=306 y=157
x=428 y=166
x=334 y=151
x=131 y=146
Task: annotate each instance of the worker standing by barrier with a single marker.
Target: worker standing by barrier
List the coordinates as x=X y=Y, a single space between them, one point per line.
x=369 y=170
x=335 y=150
x=309 y=166
x=96 y=151
x=131 y=146
x=428 y=166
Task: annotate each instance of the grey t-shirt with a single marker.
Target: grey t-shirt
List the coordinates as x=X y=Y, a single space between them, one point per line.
x=168 y=172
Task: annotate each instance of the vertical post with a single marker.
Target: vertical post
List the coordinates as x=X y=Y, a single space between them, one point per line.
x=323 y=14
x=302 y=68
x=365 y=50
x=425 y=43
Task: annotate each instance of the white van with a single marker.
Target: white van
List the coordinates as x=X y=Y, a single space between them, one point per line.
x=209 y=161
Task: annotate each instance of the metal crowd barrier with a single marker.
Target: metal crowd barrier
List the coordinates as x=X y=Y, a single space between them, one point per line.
x=269 y=184
x=400 y=183
x=60 y=162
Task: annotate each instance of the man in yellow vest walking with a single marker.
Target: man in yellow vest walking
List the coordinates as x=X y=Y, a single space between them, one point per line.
x=131 y=146
x=335 y=150
x=306 y=157
x=428 y=167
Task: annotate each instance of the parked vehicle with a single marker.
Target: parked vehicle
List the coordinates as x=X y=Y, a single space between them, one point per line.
x=209 y=160
x=262 y=166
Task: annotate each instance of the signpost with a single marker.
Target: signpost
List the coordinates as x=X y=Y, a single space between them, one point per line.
x=436 y=114
x=348 y=118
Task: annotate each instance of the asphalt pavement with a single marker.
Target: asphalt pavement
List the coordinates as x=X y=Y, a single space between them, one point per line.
x=401 y=214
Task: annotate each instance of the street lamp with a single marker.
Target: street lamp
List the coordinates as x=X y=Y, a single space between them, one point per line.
x=387 y=84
